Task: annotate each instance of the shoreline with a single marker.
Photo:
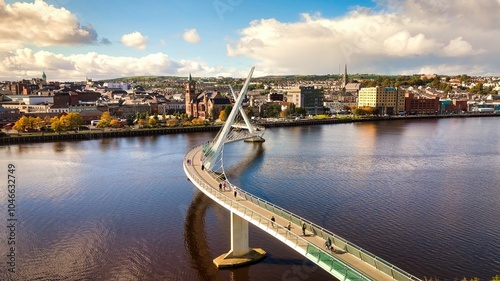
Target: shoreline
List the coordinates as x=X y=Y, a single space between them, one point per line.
x=88 y=135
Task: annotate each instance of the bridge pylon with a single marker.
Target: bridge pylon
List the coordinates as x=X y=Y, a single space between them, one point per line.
x=240 y=253
x=213 y=151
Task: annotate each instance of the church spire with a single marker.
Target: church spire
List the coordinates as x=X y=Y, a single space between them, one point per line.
x=346 y=78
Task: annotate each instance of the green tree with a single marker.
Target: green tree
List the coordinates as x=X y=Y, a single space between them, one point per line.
x=273 y=110
x=300 y=111
x=227 y=110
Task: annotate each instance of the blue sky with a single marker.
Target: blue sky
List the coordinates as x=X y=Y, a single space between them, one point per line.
x=73 y=39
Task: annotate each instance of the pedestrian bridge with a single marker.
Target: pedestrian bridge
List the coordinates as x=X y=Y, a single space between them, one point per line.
x=344 y=260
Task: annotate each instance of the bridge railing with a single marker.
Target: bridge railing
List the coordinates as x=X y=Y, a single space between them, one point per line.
x=323 y=256
x=349 y=247
x=315 y=253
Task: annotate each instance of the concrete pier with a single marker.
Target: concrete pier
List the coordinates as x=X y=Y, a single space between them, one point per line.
x=240 y=253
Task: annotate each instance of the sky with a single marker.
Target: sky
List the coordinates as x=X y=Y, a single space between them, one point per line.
x=71 y=40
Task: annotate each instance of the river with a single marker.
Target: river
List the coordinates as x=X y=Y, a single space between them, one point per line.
x=424 y=195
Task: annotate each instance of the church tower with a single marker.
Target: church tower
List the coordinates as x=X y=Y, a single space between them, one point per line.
x=44 y=78
x=346 y=78
x=190 y=96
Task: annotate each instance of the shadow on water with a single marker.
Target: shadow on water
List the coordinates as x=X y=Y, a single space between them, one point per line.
x=197 y=246
x=195 y=238
x=249 y=161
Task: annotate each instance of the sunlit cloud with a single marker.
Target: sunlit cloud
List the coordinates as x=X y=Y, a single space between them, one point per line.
x=135 y=40
x=191 y=36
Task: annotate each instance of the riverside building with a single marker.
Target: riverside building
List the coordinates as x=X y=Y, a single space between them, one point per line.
x=386 y=99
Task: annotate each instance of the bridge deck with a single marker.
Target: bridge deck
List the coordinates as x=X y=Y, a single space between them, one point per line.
x=353 y=261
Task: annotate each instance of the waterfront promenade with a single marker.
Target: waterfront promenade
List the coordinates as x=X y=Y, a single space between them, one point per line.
x=344 y=261
x=97 y=134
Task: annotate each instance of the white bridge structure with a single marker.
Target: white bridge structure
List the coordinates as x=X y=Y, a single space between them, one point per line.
x=342 y=259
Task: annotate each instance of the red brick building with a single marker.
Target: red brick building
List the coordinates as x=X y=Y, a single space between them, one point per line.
x=421 y=105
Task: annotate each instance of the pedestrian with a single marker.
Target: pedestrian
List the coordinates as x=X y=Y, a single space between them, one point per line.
x=220 y=186
x=202 y=167
x=272 y=221
x=304 y=229
x=224 y=185
x=289 y=226
x=235 y=193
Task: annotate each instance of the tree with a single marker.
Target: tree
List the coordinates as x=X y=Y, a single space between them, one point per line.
x=292 y=108
x=273 y=110
x=152 y=122
x=56 y=125
x=213 y=113
x=105 y=120
x=227 y=110
x=142 y=123
x=300 y=111
x=21 y=124
x=172 y=122
x=284 y=113
x=71 y=120
x=114 y=123
x=248 y=112
x=222 y=115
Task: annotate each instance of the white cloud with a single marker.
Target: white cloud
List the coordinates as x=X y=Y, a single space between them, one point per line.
x=191 y=36
x=403 y=44
x=135 y=40
x=41 y=24
x=458 y=47
x=397 y=35
x=25 y=63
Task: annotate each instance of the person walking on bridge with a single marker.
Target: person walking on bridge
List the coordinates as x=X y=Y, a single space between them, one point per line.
x=304 y=229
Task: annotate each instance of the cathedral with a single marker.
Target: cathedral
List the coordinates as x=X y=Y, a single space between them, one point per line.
x=204 y=105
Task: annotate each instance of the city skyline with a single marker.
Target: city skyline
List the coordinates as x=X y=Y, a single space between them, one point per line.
x=70 y=40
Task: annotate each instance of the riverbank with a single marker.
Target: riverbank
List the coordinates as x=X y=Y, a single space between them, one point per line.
x=99 y=134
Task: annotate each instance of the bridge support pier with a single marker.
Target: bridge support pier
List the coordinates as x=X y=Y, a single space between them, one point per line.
x=240 y=253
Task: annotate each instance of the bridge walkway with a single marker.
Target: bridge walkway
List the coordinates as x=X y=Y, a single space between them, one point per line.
x=278 y=228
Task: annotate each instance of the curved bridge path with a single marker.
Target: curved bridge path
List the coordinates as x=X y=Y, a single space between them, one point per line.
x=344 y=260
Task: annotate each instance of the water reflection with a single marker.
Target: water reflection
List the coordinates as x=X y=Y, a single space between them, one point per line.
x=195 y=238
x=59 y=147
x=196 y=242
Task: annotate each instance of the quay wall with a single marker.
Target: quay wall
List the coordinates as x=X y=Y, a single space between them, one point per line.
x=98 y=134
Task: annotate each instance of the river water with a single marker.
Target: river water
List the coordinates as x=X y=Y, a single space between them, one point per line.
x=424 y=195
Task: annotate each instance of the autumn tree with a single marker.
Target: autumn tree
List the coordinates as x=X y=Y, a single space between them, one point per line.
x=21 y=124
x=223 y=115
x=142 y=123
x=172 y=122
x=25 y=123
x=57 y=125
x=71 y=121
x=105 y=120
x=284 y=113
x=152 y=122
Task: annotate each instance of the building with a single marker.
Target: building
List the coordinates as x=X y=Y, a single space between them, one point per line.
x=387 y=100
x=312 y=99
x=416 y=105
x=206 y=105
